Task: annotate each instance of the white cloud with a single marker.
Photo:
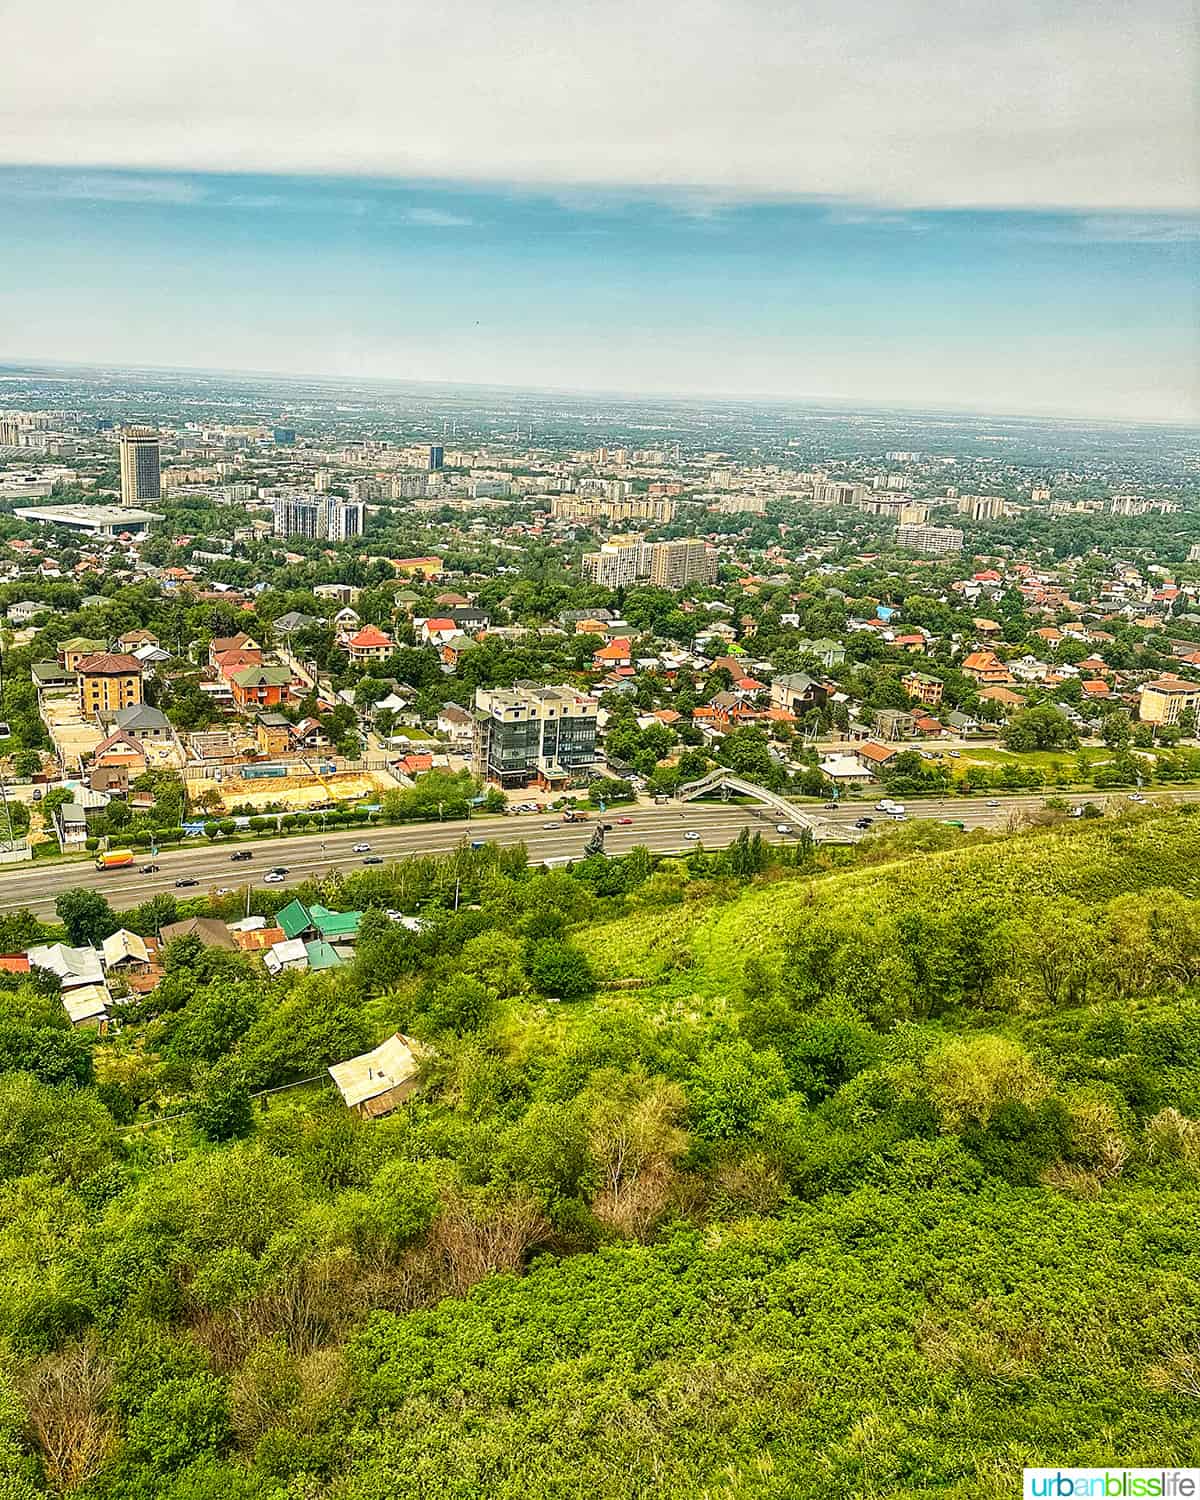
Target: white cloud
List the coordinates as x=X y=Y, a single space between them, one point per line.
x=1075 y=103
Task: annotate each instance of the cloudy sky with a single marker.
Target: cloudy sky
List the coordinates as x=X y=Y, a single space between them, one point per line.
x=992 y=205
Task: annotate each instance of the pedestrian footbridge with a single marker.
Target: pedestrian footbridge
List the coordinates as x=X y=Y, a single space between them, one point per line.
x=725 y=782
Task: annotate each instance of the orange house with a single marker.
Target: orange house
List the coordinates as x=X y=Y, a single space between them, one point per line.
x=260 y=687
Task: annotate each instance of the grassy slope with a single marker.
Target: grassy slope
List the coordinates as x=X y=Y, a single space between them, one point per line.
x=1089 y=861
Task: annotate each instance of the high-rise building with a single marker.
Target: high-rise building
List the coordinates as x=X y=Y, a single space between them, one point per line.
x=284 y=436
x=323 y=480
x=409 y=486
x=437 y=456
x=981 y=507
x=318 y=518
x=673 y=565
x=934 y=541
x=141 y=471
x=527 y=733
x=621 y=560
x=345 y=520
x=299 y=515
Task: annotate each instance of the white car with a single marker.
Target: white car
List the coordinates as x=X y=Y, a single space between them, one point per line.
x=547 y=827
x=783 y=828
x=360 y=848
x=225 y=890
x=692 y=835
x=272 y=879
x=884 y=805
x=1136 y=797
x=993 y=801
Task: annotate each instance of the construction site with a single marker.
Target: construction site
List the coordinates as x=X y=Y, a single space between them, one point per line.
x=295 y=788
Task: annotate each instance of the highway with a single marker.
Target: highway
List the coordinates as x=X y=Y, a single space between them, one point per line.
x=35 y=886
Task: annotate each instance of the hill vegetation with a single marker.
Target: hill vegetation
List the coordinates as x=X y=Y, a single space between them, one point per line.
x=727 y=1178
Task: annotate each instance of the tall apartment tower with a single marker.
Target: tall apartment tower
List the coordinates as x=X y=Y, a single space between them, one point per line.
x=345 y=520
x=141 y=471
x=673 y=565
x=437 y=456
x=299 y=515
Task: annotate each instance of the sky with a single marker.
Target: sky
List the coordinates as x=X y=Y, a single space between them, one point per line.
x=937 y=203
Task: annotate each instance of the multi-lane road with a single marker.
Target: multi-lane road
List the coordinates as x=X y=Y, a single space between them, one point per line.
x=662 y=829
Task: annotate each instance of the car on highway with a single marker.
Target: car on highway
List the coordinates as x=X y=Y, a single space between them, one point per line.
x=148 y=869
x=279 y=869
x=241 y=854
x=783 y=828
x=993 y=802
x=832 y=806
x=186 y=880
x=863 y=822
x=225 y=890
x=624 y=822
x=885 y=804
x=691 y=835
x=1136 y=797
x=273 y=877
x=373 y=859
x=360 y=848
x=549 y=827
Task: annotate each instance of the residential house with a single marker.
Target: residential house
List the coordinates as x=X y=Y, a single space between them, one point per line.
x=986 y=667
x=221 y=644
x=143 y=722
x=369 y=644
x=108 y=682
x=377 y=1081
x=72 y=652
x=923 y=689
x=211 y=932
x=455 y=724
x=261 y=687
x=272 y=734
x=1009 y=701
x=798 y=692
x=875 y=756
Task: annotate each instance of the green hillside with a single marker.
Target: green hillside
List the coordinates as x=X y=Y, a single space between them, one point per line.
x=726 y=1179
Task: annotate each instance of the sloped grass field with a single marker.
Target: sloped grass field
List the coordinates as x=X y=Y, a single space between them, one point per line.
x=700 y=949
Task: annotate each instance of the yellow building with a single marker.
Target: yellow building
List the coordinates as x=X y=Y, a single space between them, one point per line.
x=108 y=681
x=1163 y=700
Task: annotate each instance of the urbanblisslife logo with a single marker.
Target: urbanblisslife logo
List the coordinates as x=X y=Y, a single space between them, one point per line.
x=1112 y=1484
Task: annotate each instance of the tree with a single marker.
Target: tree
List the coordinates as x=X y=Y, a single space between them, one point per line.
x=86 y=915
x=222 y=1105
x=1039 y=728
x=559 y=970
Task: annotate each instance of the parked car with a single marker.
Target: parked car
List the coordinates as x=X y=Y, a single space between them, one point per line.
x=148 y=869
x=273 y=877
x=241 y=854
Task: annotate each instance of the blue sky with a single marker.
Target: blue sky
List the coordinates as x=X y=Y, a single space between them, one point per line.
x=926 y=201
x=685 y=291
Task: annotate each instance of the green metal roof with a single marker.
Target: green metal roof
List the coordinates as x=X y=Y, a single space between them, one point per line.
x=335 y=924
x=294 y=919
x=321 y=956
